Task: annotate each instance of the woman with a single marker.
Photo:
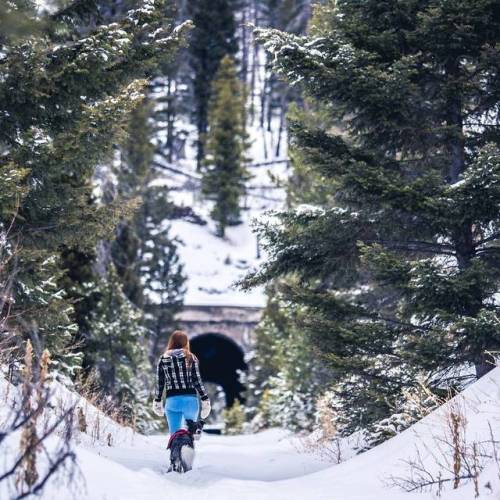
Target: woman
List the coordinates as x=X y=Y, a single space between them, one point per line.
x=179 y=371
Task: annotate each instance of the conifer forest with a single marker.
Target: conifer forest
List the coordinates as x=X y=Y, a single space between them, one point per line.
x=310 y=190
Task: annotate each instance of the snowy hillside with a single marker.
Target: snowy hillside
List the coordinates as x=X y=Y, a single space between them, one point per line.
x=213 y=264
x=272 y=465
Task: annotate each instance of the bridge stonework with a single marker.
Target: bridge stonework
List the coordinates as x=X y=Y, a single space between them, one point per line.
x=237 y=323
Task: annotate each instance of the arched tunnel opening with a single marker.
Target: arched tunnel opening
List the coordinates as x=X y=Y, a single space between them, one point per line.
x=221 y=358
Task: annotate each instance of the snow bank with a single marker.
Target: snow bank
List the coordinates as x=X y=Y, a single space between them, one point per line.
x=372 y=475
x=270 y=465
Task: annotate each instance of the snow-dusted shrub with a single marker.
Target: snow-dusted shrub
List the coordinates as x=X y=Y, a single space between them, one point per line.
x=415 y=403
x=117 y=351
x=286 y=376
x=290 y=405
x=234 y=419
x=336 y=420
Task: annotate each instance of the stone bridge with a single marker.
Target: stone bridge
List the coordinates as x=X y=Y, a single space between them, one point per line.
x=237 y=323
x=221 y=336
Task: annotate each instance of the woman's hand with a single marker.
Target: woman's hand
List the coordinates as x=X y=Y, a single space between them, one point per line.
x=158 y=408
x=205 y=408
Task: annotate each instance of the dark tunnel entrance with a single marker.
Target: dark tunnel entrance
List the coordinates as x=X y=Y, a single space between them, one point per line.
x=220 y=359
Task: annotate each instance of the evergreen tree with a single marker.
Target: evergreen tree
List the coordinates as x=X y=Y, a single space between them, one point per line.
x=134 y=171
x=225 y=174
x=398 y=275
x=67 y=89
x=117 y=348
x=137 y=151
x=291 y=16
x=286 y=376
x=160 y=269
x=117 y=342
x=306 y=186
x=212 y=38
x=173 y=103
x=144 y=270
x=234 y=419
x=144 y=253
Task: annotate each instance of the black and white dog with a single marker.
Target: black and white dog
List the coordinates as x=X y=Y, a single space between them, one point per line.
x=181 y=445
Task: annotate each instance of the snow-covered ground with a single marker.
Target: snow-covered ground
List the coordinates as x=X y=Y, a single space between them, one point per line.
x=273 y=465
x=213 y=264
x=226 y=466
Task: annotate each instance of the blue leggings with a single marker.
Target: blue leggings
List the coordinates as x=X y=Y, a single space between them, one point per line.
x=180 y=408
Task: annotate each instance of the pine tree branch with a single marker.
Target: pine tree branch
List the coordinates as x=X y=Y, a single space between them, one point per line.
x=402 y=323
x=492 y=237
x=77 y=9
x=488 y=250
x=419 y=246
x=175 y=170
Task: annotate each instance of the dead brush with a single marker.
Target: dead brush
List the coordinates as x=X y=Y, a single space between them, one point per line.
x=327 y=449
x=103 y=406
x=26 y=474
x=325 y=442
x=451 y=458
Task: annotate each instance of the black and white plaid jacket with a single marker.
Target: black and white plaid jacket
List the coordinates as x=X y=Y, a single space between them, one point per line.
x=173 y=373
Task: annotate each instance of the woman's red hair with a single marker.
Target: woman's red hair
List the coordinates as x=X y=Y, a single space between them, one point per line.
x=180 y=340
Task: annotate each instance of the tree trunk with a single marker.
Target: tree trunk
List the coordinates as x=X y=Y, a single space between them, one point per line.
x=485 y=364
x=456 y=143
x=170 y=120
x=463 y=237
x=244 y=44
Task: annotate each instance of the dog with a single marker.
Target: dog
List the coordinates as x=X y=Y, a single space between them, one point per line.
x=195 y=428
x=181 y=445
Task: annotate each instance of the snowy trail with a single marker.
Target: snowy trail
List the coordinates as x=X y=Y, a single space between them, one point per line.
x=265 y=466
x=224 y=465
x=270 y=464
